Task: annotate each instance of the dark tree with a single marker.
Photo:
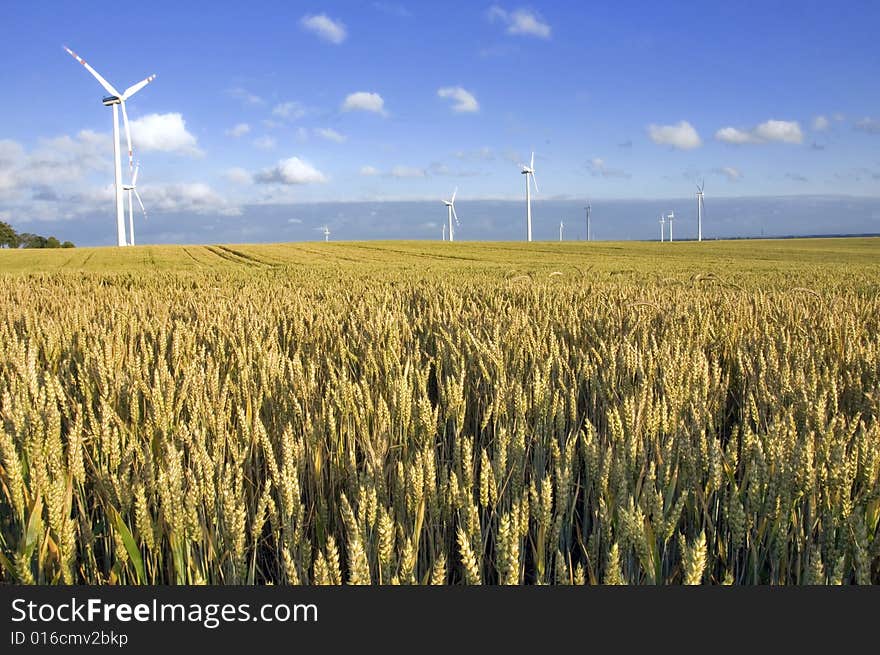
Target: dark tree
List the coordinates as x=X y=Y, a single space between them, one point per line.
x=8 y=236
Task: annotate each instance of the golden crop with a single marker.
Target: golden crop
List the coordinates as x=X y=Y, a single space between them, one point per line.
x=457 y=414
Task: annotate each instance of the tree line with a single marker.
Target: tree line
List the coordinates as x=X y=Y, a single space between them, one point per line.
x=9 y=238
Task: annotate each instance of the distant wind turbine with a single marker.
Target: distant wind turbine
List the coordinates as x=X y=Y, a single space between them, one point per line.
x=116 y=99
x=589 y=211
x=671 y=217
x=529 y=172
x=662 y=225
x=326 y=232
x=132 y=189
x=561 y=227
x=700 y=210
x=450 y=211
x=444 y=231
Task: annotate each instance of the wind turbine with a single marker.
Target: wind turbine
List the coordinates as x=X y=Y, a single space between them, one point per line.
x=450 y=212
x=670 y=217
x=444 y=231
x=589 y=211
x=132 y=189
x=115 y=100
x=561 y=227
x=326 y=231
x=662 y=225
x=700 y=210
x=529 y=172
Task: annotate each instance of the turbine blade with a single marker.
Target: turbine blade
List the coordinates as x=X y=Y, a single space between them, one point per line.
x=453 y=195
x=107 y=86
x=134 y=88
x=127 y=137
x=140 y=202
x=455 y=216
x=134 y=178
x=532 y=165
x=534 y=181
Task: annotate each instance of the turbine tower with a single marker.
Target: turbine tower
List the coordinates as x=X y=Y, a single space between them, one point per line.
x=450 y=212
x=589 y=211
x=529 y=172
x=326 y=231
x=662 y=225
x=115 y=100
x=132 y=189
x=700 y=210
x=561 y=227
x=671 y=217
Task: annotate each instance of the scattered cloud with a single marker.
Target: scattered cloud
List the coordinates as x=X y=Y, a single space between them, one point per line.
x=289 y=111
x=868 y=125
x=521 y=22
x=598 y=168
x=839 y=117
x=265 y=143
x=732 y=174
x=330 y=134
x=392 y=9
x=766 y=132
x=240 y=129
x=480 y=154
x=820 y=123
x=332 y=31
x=796 y=177
x=682 y=135
x=291 y=171
x=301 y=134
x=238 y=175
x=195 y=198
x=364 y=101
x=407 y=171
x=369 y=171
x=164 y=133
x=294 y=221
x=245 y=96
x=464 y=101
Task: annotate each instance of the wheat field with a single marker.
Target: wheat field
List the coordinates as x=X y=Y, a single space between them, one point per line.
x=436 y=413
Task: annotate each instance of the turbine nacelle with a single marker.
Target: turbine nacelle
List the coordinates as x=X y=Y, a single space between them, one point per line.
x=111 y=100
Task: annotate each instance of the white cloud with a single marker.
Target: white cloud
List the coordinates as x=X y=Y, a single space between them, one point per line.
x=164 y=133
x=820 y=123
x=733 y=135
x=294 y=221
x=869 y=125
x=520 y=22
x=598 y=168
x=332 y=31
x=407 y=171
x=369 y=171
x=484 y=154
x=238 y=130
x=238 y=175
x=265 y=143
x=364 y=101
x=330 y=134
x=772 y=130
x=464 y=100
x=195 y=197
x=245 y=96
x=682 y=135
x=732 y=174
x=302 y=134
x=290 y=110
x=784 y=131
x=291 y=171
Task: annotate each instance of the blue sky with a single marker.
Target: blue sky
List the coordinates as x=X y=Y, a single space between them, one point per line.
x=269 y=104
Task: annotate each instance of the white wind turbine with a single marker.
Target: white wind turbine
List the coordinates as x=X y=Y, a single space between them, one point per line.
x=450 y=212
x=561 y=227
x=115 y=99
x=444 y=231
x=589 y=209
x=132 y=189
x=529 y=172
x=700 y=210
x=662 y=225
x=671 y=217
x=326 y=231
